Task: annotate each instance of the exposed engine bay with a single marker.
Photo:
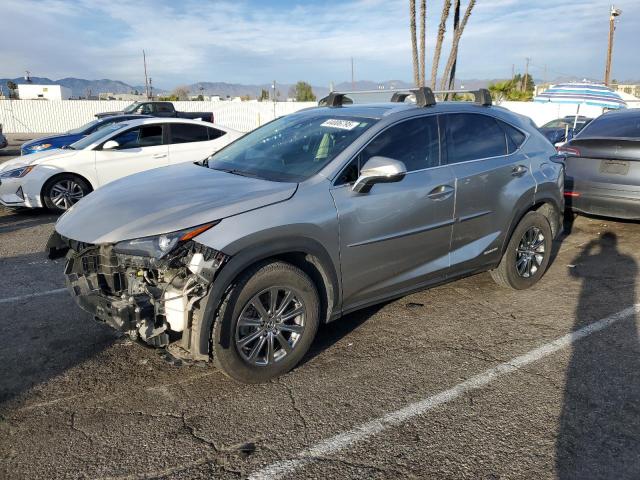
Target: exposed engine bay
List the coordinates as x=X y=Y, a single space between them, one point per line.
x=149 y=299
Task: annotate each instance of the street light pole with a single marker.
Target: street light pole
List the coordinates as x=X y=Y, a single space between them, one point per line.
x=615 y=12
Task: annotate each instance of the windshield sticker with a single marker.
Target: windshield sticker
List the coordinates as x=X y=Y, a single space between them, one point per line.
x=341 y=124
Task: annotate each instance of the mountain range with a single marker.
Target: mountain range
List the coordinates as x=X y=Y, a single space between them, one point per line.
x=82 y=88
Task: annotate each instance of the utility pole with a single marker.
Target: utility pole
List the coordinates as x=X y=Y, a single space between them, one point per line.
x=353 y=82
x=513 y=72
x=150 y=89
x=146 y=81
x=615 y=12
x=526 y=74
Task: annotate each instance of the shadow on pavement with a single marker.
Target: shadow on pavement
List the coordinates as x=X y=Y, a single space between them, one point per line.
x=599 y=428
x=333 y=332
x=14 y=220
x=42 y=337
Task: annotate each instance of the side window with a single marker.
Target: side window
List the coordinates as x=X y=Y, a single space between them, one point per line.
x=473 y=136
x=145 y=136
x=515 y=138
x=214 y=133
x=414 y=142
x=144 y=109
x=164 y=108
x=185 y=133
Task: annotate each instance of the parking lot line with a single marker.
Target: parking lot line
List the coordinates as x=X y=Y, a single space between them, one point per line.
x=32 y=295
x=344 y=440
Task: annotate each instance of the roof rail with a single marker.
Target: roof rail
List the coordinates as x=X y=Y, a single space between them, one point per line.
x=425 y=97
x=482 y=95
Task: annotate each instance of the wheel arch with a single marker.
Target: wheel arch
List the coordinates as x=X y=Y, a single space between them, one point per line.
x=62 y=174
x=548 y=207
x=305 y=253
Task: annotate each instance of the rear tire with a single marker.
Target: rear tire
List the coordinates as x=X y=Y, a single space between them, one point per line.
x=63 y=191
x=526 y=257
x=266 y=323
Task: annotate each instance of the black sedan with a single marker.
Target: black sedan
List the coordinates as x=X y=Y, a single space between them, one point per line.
x=602 y=166
x=563 y=129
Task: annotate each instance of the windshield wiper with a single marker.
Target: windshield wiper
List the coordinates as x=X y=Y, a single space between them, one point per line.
x=234 y=171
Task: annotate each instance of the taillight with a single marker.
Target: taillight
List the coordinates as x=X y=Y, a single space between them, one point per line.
x=571 y=194
x=568 y=151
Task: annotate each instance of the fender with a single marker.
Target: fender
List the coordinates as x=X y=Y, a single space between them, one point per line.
x=240 y=262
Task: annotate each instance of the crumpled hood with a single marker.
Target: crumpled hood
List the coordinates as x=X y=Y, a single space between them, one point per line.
x=35 y=158
x=166 y=200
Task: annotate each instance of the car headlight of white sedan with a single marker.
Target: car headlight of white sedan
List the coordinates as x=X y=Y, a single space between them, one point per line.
x=17 y=172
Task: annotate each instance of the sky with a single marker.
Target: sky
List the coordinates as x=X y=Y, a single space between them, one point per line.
x=256 y=41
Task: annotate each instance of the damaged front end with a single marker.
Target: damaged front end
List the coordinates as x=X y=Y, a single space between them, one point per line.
x=148 y=295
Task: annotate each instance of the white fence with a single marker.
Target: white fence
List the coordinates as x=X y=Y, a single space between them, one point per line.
x=40 y=116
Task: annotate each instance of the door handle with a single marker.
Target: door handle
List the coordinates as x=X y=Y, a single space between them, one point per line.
x=519 y=171
x=441 y=192
x=159 y=155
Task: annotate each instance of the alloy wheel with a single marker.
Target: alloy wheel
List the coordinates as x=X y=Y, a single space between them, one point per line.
x=65 y=193
x=270 y=326
x=530 y=253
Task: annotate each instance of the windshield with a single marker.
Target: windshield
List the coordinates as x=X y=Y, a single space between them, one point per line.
x=291 y=148
x=86 y=126
x=97 y=135
x=131 y=108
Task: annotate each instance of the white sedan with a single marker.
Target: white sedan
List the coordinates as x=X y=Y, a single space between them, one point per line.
x=56 y=179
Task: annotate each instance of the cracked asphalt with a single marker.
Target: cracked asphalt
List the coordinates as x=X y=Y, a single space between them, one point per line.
x=79 y=401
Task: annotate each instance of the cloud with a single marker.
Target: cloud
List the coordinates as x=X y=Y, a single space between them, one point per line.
x=257 y=41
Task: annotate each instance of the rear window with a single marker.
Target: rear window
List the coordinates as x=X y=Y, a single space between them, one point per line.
x=515 y=138
x=186 y=133
x=613 y=126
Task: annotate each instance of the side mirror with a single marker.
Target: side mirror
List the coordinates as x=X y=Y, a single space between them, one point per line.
x=379 y=170
x=110 y=145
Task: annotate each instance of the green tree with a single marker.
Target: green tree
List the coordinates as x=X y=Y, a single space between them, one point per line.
x=12 y=89
x=264 y=95
x=512 y=89
x=304 y=92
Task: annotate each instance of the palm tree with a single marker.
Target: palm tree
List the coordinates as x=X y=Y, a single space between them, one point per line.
x=449 y=71
x=423 y=33
x=442 y=29
x=414 y=43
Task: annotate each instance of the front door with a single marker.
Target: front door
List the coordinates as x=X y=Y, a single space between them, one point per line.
x=397 y=236
x=140 y=148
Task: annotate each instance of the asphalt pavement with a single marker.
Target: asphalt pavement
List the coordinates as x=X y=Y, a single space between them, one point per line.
x=466 y=380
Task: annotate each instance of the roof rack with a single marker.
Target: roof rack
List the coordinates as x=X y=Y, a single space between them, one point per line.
x=425 y=97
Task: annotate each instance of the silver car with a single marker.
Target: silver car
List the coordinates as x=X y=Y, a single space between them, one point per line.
x=239 y=259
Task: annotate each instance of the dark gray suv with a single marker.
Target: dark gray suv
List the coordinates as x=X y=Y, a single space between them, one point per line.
x=238 y=259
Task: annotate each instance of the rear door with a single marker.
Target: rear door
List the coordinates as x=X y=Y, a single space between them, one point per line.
x=140 y=148
x=190 y=142
x=396 y=237
x=493 y=180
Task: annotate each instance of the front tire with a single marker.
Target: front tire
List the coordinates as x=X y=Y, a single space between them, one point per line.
x=527 y=255
x=63 y=191
x=266 y=323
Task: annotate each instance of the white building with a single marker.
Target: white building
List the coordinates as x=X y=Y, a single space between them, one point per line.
x=30 y=91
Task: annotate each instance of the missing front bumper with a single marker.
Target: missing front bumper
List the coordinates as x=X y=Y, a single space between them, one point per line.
x=150 y=300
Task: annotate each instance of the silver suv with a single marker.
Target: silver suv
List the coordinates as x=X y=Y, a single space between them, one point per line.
x=238 y=259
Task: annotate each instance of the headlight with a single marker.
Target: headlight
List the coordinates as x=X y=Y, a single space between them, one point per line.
x=42 y=146
x=17 y=172
x=159 y=245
